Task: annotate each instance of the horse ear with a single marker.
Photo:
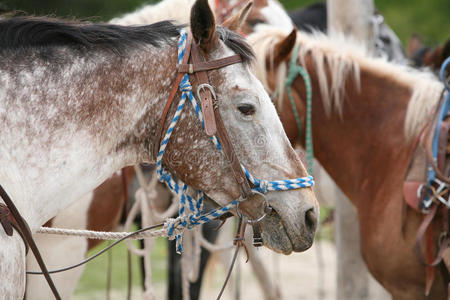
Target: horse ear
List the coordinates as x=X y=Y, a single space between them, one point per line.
x=203 y=25
x=283 y=48
x=236 y=21
x=261 y=3
x=414 y=45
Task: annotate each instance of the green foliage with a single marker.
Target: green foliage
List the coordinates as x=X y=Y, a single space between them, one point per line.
x=430 y=19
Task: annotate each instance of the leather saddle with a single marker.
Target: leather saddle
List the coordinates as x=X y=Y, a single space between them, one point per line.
x=414 y=191
x=416 y=175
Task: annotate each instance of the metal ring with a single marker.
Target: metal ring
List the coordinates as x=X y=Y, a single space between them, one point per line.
x=266 y=210
x=420 y=190
x=204 y=86
x=433 y=193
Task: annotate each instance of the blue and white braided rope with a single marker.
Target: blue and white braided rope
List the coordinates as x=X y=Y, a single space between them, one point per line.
x=191 y=209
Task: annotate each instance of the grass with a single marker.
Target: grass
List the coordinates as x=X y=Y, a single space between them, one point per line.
x=94 y=275
x=326 y=227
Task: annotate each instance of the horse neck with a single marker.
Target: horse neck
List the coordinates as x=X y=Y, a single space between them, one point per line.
x=81 y=132
x=364 y=148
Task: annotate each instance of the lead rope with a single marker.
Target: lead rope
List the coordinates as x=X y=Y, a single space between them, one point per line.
x=239 y=241
x=295 y=70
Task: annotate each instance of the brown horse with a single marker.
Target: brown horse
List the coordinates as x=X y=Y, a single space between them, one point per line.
x=422 y=56
x=365 y=115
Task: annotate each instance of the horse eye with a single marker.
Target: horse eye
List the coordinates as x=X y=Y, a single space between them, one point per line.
x=247 y=109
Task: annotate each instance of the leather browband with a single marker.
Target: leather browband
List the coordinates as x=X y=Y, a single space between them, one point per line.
x=209 y=65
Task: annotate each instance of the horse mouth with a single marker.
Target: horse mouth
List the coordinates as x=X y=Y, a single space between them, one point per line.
x=281 y=237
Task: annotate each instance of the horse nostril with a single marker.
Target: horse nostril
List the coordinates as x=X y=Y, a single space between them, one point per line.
x=311 y=219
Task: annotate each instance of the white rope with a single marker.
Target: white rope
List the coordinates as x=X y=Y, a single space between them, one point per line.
x=104 y=235
x=146 y=198
x=186 y=265
x=213 y=247
x=141 y=204
x=196 y=253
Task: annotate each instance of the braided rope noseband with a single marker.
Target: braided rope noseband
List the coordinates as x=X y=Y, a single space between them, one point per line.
x=191 y=208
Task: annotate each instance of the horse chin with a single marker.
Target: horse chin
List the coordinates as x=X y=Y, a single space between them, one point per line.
x=276 y=236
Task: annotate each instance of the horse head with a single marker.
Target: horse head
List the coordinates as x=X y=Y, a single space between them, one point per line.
x=257 y=136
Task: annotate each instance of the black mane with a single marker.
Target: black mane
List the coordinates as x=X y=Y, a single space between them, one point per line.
x=30 y=32
x=24 y=32
x=237 y=44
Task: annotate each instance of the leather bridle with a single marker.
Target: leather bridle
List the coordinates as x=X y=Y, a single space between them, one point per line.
x=194 y=63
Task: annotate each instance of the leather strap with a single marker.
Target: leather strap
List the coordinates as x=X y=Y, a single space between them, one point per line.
x=442 y=144
x=28 y=239
x=5 y=220
x=230 y=154
x=217 y=124
x=429 y=252
x=238 y=241
x=209 y=65
x=411 y=185
x=8 y=223
x=410 y=190
x=205 y=95
x=445 y=243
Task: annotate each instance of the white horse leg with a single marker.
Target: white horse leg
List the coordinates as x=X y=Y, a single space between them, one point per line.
x=12 y=266
x=57 y=252
x=60 y=251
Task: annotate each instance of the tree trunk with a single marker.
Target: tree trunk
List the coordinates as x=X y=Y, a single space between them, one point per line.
x=352 y=17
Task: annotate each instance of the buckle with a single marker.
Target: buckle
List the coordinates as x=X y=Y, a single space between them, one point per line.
x=267 y=210
x=432 y=194
x=205 y=86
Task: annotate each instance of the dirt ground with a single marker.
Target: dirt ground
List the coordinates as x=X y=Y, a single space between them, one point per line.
x=296 y=275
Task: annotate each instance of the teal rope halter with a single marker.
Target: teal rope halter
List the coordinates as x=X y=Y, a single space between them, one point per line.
x=295 y=70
